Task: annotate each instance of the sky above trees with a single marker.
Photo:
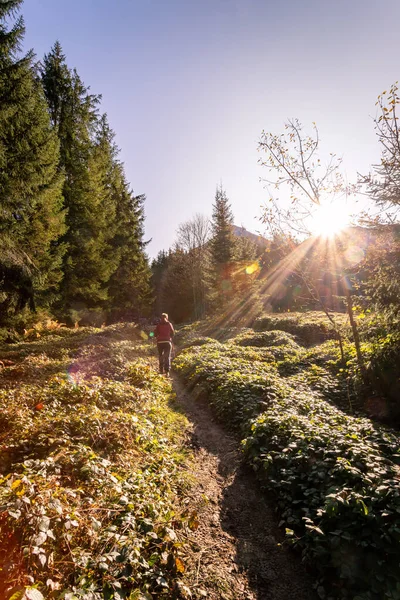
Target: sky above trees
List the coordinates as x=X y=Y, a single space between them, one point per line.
x=189 y=86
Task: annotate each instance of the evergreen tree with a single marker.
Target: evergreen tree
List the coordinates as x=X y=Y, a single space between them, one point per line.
x=176 y=290
x=129 y=284
x=130 y=288
x=56 y=79
x=103 y=167
x=158 y=268
x=223 y=240
x=222 y=249
x=247 y=250
x=86 y=159
x=32 y=218
x=106 y=266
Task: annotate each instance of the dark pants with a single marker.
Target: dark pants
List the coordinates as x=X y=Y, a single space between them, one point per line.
x=164 y=355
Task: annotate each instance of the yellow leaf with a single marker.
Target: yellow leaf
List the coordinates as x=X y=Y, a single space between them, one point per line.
x=193 y=521
x=15 y=484
x=180 y=567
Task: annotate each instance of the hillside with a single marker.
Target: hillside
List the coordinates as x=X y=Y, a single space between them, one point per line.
x=117 y=483
x=254 y=237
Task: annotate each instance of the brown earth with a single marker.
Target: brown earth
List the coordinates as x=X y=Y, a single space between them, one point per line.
x=237 y=551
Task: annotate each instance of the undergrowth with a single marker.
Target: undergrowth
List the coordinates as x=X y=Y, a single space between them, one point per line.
x=90 y=469
x=311 y=327
x=335 y=474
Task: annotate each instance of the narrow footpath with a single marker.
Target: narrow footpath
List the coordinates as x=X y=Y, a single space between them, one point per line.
x=238 y=551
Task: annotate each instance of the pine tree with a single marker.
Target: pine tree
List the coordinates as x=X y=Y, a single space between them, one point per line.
x=223 y=240
x=222 y=249
x=106 y=266
x=86 y=159
x=32 y=217
x=57 y=80
x=159 y=266
x=176 y=290
x=247 y=250
x=130 y=289
x=102 y=166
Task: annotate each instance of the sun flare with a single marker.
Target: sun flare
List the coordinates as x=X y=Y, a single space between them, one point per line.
x=329 y=219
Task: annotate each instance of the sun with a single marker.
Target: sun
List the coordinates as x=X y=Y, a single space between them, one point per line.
x=329 y=219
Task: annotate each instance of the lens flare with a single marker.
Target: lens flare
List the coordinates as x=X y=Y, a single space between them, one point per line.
x=250 y=269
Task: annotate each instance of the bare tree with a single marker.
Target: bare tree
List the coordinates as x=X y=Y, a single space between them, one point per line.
x=194 y=234
x=296 y=169
x=383 y=182
x=294 y=166
x=193 y=237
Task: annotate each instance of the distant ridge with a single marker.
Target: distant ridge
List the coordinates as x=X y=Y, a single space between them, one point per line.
x=242 y=232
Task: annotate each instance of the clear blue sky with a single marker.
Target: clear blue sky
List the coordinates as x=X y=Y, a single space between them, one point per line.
x=189 y=86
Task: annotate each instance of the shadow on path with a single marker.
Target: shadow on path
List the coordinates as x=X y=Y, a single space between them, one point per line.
x=244 y=555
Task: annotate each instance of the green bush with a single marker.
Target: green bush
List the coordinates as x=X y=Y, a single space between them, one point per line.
x=197 y=341
x=380 y=347
x=335 y=479
x=185 y=333
x=335 y=476
x=8 y=336
x=266 y=339
x=310 y=328
x=383 y=360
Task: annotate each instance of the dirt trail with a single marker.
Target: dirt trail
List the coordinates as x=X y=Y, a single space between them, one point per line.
x=238 y=552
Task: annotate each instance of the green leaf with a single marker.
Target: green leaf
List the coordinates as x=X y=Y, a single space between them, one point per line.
x=365 y=508
x=44 y=524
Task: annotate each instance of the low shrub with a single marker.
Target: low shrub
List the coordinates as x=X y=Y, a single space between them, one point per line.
x=90 y=471
x=310 y=328
x=335 y=476
x=336 y=482
x=8 y=336
x=380 y=347
x=266 y=339
x=185 y=333
x=197 y=341
x=383 y=360
x=239 y=384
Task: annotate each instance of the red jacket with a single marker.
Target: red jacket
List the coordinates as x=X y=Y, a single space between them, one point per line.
x=164 y=331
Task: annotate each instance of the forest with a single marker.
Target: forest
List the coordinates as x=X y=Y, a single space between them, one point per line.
x=267 y=466
x=71 y=227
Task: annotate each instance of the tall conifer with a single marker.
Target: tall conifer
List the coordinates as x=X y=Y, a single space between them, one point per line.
x=223 y=240
x=222 y=247
x=105 y=265
x=85 y=158
x=130 y=288
x=31 y=214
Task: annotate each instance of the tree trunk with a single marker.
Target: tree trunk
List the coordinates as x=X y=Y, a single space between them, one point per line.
x=356 y=335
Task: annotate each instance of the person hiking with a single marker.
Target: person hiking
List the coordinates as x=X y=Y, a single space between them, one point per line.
x=164 y=332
